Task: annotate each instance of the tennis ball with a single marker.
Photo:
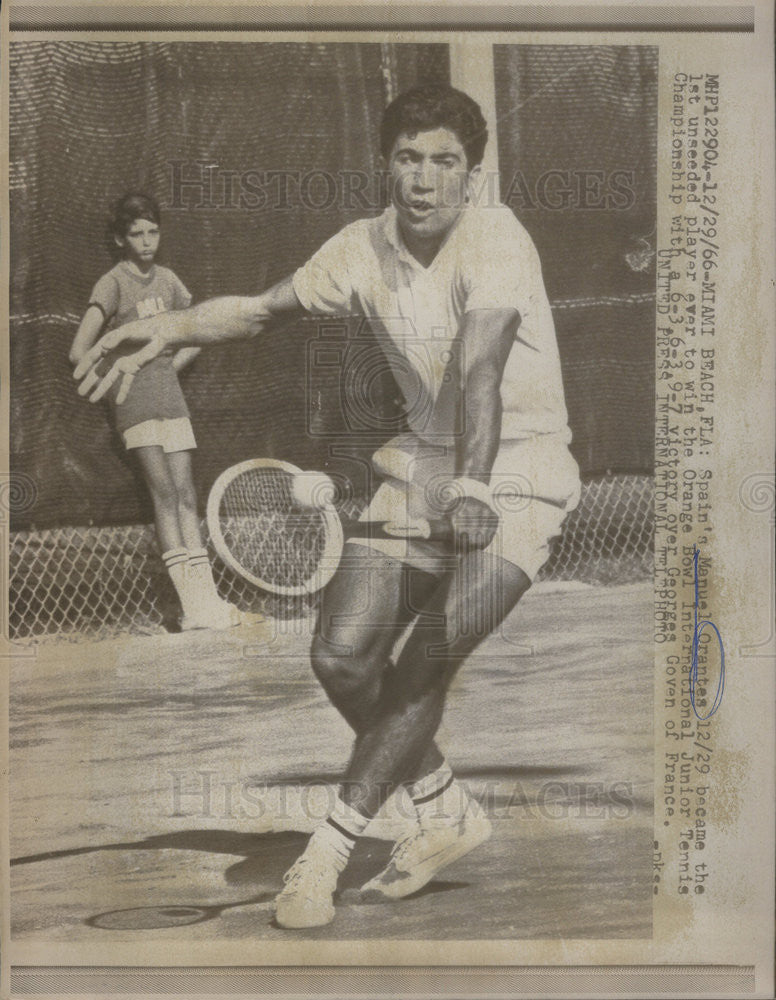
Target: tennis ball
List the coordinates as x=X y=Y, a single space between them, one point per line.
x=312 y=489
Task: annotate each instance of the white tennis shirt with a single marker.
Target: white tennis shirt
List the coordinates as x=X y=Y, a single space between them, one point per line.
x=487 y=261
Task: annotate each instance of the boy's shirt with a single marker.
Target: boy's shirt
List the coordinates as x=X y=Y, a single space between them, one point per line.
x=487 y=261
x=123 y=295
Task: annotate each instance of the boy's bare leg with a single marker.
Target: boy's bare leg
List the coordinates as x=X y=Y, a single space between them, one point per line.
x=179 y=465
x=164 y=495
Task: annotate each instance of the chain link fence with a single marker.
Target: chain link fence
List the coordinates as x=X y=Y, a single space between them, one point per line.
x=96 y=582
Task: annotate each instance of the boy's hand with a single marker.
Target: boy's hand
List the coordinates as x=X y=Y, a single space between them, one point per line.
x=94 y=384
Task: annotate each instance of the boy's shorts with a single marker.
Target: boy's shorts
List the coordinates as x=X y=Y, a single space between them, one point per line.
x=174 y=434
x=534 y=484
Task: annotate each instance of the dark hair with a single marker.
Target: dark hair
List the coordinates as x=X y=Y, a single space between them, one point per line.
x=131 y=207
x=433 y=106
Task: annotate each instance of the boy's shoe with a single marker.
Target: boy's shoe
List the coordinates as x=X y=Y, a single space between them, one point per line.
x=224 y=615
x=218 y=615
x=431 y=846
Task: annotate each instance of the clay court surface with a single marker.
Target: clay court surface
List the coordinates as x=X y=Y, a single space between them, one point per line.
x=161 y=785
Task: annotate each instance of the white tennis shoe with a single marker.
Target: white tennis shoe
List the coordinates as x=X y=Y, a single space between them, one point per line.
x=432 y=845
x=217 y=614
x=225 y=615
x=307 y=896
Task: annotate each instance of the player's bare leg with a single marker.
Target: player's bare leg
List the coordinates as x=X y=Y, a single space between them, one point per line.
x=475 y=601
x=469 y=605
x=364 y=612
x=395 y=727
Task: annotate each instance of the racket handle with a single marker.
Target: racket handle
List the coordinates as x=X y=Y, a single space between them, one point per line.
x=430 y=530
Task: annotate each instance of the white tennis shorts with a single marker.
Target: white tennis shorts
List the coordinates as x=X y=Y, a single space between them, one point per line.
x=171 y=435
x=534 y=484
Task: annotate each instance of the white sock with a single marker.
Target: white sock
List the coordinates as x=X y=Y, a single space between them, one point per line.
x=201 y=575
x=340 y=831
x=438 y=795
x=431 y=784
x=176 y=562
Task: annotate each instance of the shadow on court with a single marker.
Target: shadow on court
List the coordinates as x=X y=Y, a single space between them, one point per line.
x=210 y=841
x=266 y=857
x=555 y=743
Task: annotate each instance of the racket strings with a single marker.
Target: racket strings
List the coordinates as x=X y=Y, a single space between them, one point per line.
x=267 y=532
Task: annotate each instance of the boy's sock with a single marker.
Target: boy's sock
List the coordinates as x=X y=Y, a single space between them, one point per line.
x=176 y=562
x=214 y=611
x=201 y=574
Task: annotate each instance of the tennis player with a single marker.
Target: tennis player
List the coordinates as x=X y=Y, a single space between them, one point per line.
x=454 y=290
x=153 y=419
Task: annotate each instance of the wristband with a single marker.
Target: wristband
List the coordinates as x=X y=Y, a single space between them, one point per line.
x=476 y=490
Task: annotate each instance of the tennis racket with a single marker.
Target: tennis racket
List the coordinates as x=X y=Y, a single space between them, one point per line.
x=262 y=531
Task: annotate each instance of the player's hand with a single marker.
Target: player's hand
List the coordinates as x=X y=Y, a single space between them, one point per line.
x=474 y=524
x=95 y=383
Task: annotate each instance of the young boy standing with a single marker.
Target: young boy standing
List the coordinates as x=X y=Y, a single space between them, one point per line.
x=153 y=420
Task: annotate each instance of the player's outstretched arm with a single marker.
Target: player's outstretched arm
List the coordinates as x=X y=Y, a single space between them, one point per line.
x=213 y=322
